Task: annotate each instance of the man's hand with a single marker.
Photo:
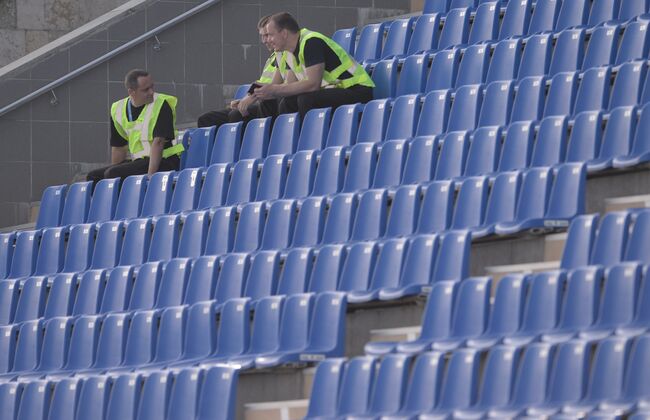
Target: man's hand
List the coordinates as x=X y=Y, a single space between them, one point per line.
x=234 y=103
x=243 y=105
x=266 y=92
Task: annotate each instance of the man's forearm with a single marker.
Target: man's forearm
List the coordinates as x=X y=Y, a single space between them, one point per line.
x=296 y=88
x=156 y=155
x=118 y=155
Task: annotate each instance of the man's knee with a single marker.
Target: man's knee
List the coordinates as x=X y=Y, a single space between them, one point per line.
x=306 y=102
x=205 y=120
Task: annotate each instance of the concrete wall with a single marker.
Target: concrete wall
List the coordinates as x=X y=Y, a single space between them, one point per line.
x=26 y=25
x=54 y=141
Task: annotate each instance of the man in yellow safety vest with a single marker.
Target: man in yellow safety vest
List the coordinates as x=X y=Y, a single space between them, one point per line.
x=249 y=107
x=142 y=125
x=320 y=72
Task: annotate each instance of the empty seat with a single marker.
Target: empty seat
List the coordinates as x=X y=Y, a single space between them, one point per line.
x=634 y=43
x=346 y=38
x=104 y=200
x=640 y=144
x=456 y=28
x=193 y=234
x=186 y=191
x=284 y=136
x=436 y=107
x=357 y=269
x=35 y=400
x=505 y=60
x=593 y=93
x=632 y=8
x=465 y=109
x=453 y=153
x=309 y=222
x=486 y=23
x=561 y=94
x=158 y=195
x=569 y=50
x=550 y=147
x=403 y=117
x=61 y=296
x=314 y=129
x=51 y=252
x=232 y=277
x=243 y=183
x=344 y=125
x=384 y=75
x=361 y=167
x=602 y=11
x=425 y=34
x=272 y=178
x=444 y=68
x=544 y=15
x=404 y=211
x=628 y=84
x=474 y=65
x=601 y=50
x=397 y=38
x=227 y=143
x=108 y=245
x=529 y=101
x=370 y=42
x=9 y=295
x=221 y=233
x=330 y=172
x=132 y=194
x=202 y=280
x=32 y=300
x=256 y=139
x=501 y=204
x=421 y=160
x=572 y=13
x=279 y=227
x=585 y=138
x=496 y=107
x=516 y=19
x=617 y=138
x=301 y=174
x=340 y=219
x=537 y=55
x=137 y=240
x=470 y=203
x=295 y=274
x=198 y=143
x=164 y=240
x=124 y=396
x=374 y=121
x=215 y=186
x=609 y=245
x=51 y=209
x=390 y=164
x=250 y=228
x=77 y=203
x=437 y=207
x=324 y=395
x=372 y=213
x=173 y=282
x=327 y=268
x=25 y=253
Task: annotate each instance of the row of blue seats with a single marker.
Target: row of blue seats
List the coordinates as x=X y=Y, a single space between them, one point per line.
x=189 y=393
x=513 y=59
x=536 y=198
x=404 y=267
x=284 y=329
x=588 y=303
x=471 y=106
x=460 y=26
x=619 y=237
x=570 y=379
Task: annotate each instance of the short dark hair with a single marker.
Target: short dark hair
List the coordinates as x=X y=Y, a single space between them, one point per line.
x=131 y=79
x=263 y=21
x=284 y=20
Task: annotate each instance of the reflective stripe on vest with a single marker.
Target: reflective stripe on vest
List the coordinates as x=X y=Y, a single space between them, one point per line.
x=139 y=133
x=331 y=78
x=271 y=66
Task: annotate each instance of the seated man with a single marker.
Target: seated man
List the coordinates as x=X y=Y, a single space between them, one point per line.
x=248 y=107
x=322 y=74
x=143 y=124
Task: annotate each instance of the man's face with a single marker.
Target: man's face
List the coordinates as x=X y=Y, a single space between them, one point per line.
x=264 y=37
x=143 y=94
x=277 y=38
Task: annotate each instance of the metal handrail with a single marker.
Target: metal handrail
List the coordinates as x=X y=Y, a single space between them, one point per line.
x=58 y=82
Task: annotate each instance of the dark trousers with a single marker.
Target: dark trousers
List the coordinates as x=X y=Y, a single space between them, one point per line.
x=324 y=98
x=257 y=110
x=132 y=167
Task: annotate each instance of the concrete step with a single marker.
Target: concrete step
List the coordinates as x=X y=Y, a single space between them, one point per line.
x=277 y=410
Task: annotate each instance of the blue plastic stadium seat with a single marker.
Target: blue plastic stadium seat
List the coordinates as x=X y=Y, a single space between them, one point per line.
x=83 y=343
x=356 y=386
x=221 y=233
x=603 y=11
x=374 y=121
x=340 y=219
x=51 y=252
x=516 y=19
x=117 y=291
x=585 y=137
x=486 y=23
x=390 y=385
x=593 y=93
x=561 y=94
x=465 y=110
x=263 y=276
x=496 y=107
x=7 y=241
x=473 y=66
x=32 y=300
x=501 y=204
x=89 y=294
x=25 y=253
x=327 y=268
x=315 y=128
x=250 y=228
x=164 y=240
x=272 y=178
x=214 y=187
x=186 y=191
x=370 y=42
x=77 y=203
x=470 y=203
x=153 y=397
x=536 y=58
x=64 y=398
x=384 y=75
x=551 y=144
x=280 y=224
x=297 y=267
x=198 y=142
x=346 y=38
x=300 y=177
x=630 y=9
x=202 y=280
x=444 y=69
x=453 y=260
x=636 y=249
x=569 y=51
x=425 y=34
x=372 y=212
x=9 y=296
x=51 y=209
x=129 y=204
x=284 y=136
x=456 y=29
x=505 y=60
x=421 y=160
x=243 y=182
x=124 y=396
x=436 y=321
x=361 y=167
x=628 y=84
x=640 y=145
x=344 y=126
x=517 y=146
x=234 y=270
x=601 y=50
x=390 y=163
x=35 y=400
x=435 y=113
x=159 y=194
x=404 y=117
x=544 y=16
x=609 y=245
x=484 y=152
x=404 y=211
x=572 y=13
x=617 y=138
x=173 y=283
x=435 y=6
x=453 y=153
x=634 y=44
x=397 y=38
x=309 y=222
x=325 y=391
x=108 y=245
x=136 y=243
x=357 y=269
x=437 y=207
x=256 y=139
x=424 y=384
x=104 y=200
x=61 y=296
x=227 y=143
x=191 y=242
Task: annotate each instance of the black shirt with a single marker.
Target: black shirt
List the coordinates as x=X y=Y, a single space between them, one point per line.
x=317 y=52
x=164 y=126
